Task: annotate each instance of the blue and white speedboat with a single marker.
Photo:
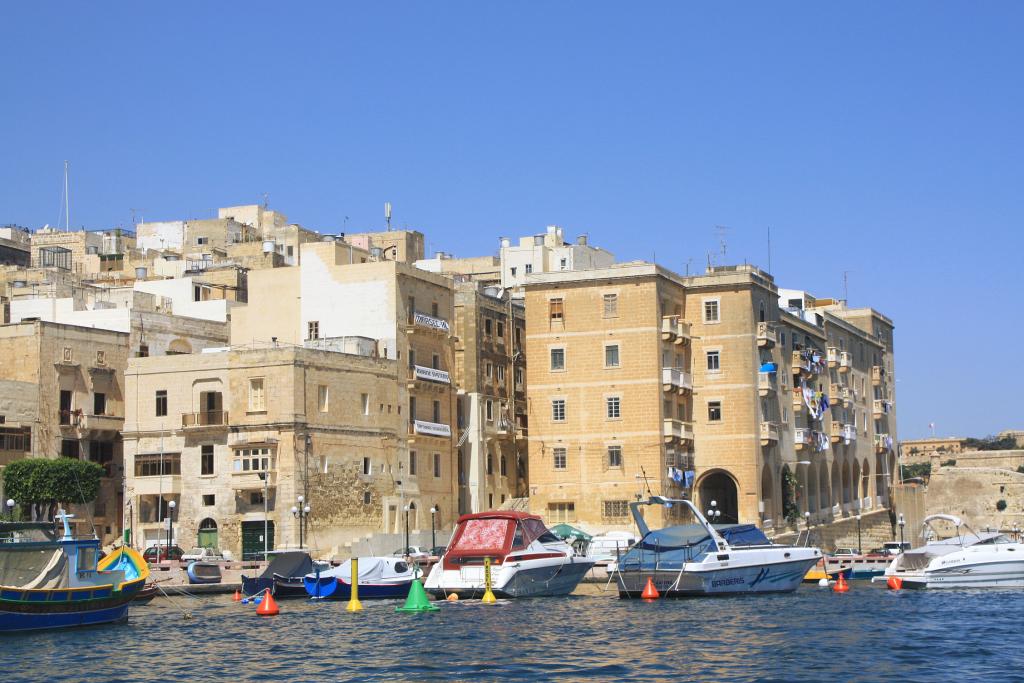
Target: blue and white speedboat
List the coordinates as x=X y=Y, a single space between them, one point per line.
x=706 y=559
x=379 y=578
x=49 y=582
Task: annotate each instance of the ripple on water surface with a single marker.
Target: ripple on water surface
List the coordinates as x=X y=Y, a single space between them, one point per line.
x=869 y=634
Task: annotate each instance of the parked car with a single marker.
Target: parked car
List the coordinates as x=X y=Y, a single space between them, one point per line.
x=163 y=553
x=895 y=547
x=202 y=555
x=844 y=552
x=413 y=552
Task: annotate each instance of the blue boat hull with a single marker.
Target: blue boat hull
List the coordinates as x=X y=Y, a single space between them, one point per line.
x=20 y=621
x=280 y=587
x=331 y=588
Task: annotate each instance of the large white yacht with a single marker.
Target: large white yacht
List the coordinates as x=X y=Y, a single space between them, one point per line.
x=527 y=560
x=706 y=559
x=967 y=559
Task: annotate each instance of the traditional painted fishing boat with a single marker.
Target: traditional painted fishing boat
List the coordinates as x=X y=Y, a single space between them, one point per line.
x=50 y=582
x=203 y=572
x=379 y=577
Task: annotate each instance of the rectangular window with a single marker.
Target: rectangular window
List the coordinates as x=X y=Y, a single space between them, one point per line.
x=412 y=408
x=513 y=271
x=322 y=398
x=501 y=373
x=611 y=356
x=437 y=411
x=209 y=500
x=412 y=462
x=161 y=403
x=561 y=512
x=489 y=410
x=555 y=309
x=612 y=404
x=503 y=465
x=257 y=398
x=313 y=329
x=433 y=309
x=69 y=448
x=714 y=411
x=149 y=464
x=99 y=404
x=489 y=369
x=206 y=460
x=614 y=509
x=490 y=463
x=714 y=361
x=711 y=311
x=435 y=362
x=259 y=459
x=412 y=310
x=366 y=403
x=528 y=268
x=558 y=359
x=563 y=264
x=437 y=465
x=558 y=410
x=487 y=326
x=615 y=456
x=611 y=305
x=65 y=407
x=501 y=330
x=256 y=498
x=560 y=459
x=367 y=467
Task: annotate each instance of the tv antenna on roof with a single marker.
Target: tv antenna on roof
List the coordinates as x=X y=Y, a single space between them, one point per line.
x=65 y=204
x=846 y=285
x=387 y=214
x=266 y=200
x=721 y=230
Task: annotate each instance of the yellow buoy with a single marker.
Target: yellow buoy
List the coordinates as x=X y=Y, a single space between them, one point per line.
x=353 y=604
x=488 y=598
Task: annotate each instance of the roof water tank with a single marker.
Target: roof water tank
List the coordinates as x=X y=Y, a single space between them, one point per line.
x=140 y=273
x=268 y=246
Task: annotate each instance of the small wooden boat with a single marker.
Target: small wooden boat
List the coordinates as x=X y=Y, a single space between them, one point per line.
x=203 y=572
x=50 y=582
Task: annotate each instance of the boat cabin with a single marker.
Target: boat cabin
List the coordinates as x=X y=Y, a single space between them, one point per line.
x=499 y=535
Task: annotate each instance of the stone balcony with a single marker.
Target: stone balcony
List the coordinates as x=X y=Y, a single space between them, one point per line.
x=676 y=430
x=674 y=379
x=767 y=383
x=832 y=355
x=801 y=438
x=253 y=481
x=883 y=443
x=675 y=329
x=769 y=433
x=877 y=375
x=206 y=419
x=845 y=361
x=766 y=335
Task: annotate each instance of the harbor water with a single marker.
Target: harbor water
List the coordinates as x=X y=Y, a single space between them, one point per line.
x=868 y=634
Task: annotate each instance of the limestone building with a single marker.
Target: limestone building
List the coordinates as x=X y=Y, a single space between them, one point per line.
x=235 y=436
x=547 y=252
x=490 y=373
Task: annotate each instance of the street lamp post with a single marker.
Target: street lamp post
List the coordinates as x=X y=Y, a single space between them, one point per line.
x=301 y=511
x=902 y=523
x=10 y=508
x=433 y=528
x=170 y=527
x=859 y=551
x=406 y=508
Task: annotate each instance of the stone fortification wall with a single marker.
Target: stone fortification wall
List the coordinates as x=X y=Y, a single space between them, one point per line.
x=973 y=493
x=1010 y=460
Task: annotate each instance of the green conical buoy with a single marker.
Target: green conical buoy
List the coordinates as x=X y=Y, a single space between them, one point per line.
x=417 y=600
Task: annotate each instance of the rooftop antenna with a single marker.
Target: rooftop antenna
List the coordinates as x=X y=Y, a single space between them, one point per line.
x=688 y=262
x=721 y=230
x=846 y=285
x=387 y=214
x=769 y=248
x=143 y=218
x=266 y=200
x=65 y=206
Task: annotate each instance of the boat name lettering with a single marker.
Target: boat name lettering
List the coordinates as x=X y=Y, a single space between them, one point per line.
x=728 y=582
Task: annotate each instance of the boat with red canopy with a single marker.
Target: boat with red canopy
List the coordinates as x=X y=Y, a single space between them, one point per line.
x=527 y=560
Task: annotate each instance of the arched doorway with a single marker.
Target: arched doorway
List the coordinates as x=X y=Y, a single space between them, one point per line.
x=824 y=499
x=768 y=515
x=845 y=473
x=865 y=477
x=812 y=488
x=837 y=486
x=207 y=537
x=718 y=486
x=855 y=493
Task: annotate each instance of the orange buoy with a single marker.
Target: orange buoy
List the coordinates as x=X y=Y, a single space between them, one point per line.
x=267 y=606
x=650 y=592
x=894 y=582
x=452 y=597
x=841 y=586
x=237 y=596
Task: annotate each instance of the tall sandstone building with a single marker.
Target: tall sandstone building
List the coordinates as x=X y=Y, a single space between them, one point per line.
x=762 y=405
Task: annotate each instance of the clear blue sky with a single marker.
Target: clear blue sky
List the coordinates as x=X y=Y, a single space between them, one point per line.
x=884 y=139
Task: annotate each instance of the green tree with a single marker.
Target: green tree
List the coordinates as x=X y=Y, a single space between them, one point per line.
x=47 y=484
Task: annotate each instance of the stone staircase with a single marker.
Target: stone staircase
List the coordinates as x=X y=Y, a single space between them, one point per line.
x=875 y=530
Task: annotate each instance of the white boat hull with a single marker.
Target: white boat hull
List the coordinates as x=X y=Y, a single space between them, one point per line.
x=526 y=579
x=993 y=574
x=709 y=579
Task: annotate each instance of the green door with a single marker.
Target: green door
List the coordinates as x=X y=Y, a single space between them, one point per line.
x=207 y=537
x=252 y=540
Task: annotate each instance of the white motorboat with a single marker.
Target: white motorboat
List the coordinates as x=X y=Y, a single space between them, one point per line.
x=706 y=559
x=967 y=559
x=606 y=548
x=527 y=560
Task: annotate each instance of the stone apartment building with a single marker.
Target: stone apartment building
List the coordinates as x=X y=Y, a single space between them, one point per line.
x=340 y=290
x=490 y=372
x=547 y=252
x=766 y=407
x=610 y=392
x=235 y=436
x=62 y=395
